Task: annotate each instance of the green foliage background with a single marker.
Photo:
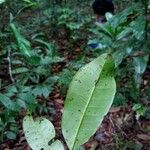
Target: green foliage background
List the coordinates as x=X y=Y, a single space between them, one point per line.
x=36 y=36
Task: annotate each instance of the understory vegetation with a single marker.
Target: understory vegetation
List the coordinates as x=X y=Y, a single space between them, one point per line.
x=43 y=43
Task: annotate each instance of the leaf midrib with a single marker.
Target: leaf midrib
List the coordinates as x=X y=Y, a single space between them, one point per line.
x=87 y=106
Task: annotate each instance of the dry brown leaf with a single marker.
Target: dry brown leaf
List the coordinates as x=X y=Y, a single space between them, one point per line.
x=114 y=109
x=144 y=137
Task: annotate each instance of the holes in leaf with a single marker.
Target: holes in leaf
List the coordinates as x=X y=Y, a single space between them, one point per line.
x=66 y=131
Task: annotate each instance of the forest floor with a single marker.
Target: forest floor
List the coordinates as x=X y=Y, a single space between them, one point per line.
x=120 y=129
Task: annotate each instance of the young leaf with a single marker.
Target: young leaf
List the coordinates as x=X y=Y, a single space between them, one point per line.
x=89 y=98
x=39 y=132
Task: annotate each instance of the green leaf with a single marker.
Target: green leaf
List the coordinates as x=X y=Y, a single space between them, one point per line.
x=140 y=64
x=74 y=26
x=20 y=70
x=31 y=3
x=39 y=132
x=139 y=109
x=21 y=103
x=7 y=102
x=49 y=46
x=89 y=98
x=42 y=90
x=28 y=100
x=118 y=57
x=11 y=135
x=57 y=145
x=138 y=27
x=23 y=44
x=2 y=1
x=34 y=60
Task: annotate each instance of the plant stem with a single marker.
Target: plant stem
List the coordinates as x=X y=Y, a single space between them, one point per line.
x=9 y=67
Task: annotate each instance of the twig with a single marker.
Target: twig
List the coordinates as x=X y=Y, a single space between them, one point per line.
x=9 y=66
x=116 y=125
